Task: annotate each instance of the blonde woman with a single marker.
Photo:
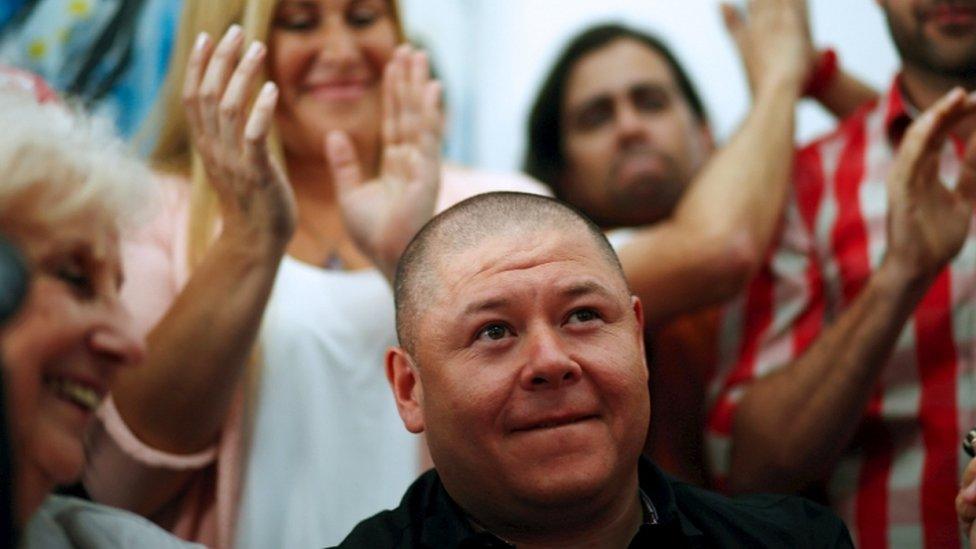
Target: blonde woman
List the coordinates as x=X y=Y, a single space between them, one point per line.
x=294 y=445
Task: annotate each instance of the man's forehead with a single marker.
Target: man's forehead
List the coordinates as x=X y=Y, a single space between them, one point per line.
x=618 y=66
x=520 y=253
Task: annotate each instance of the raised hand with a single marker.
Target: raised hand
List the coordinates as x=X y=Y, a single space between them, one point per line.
x=773 y=40
x=927 y=222
x=252 y=189
x=383 y=214
x=966 y=502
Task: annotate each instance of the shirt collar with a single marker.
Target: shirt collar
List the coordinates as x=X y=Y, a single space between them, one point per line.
x=899 y=112
x=657 y=486
x=447 y=521
x=486 y=538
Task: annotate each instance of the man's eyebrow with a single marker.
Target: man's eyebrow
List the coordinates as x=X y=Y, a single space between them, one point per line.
x=575 y=289
x=606 y=95
x=602 y=97
x=652 y=85
x=585 y=287
x=489 y=304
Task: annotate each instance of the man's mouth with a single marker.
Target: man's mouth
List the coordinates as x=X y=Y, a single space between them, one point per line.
x=80 y=394
x=554 y=422
x=952 y=14
x=641 y=164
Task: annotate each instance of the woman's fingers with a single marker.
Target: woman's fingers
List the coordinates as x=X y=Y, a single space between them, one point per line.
x=414 y=103
x=259 y=125
x=389 y=125
x=405 y=82
x=343 y=162
x=216 y=76
x=195 y=67
x=433 y=117
x=233 y=104
x=401 y=101
x=413 y=118
x=417 y=78
x=393 y=97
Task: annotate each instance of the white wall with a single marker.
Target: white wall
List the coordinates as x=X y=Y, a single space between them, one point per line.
x=493 y=55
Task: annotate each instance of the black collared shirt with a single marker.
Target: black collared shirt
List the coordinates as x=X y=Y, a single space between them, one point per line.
x=687 y=516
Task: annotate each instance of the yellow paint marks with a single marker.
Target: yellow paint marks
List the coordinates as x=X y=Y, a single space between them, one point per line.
x=37 y=49
x=79 y=8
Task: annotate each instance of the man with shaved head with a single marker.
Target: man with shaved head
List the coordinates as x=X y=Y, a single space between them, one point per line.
x=522 y=360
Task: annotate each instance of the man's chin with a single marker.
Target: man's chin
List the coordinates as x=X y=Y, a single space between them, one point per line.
x=566 y=483
x=646 y=200
x=547 y=494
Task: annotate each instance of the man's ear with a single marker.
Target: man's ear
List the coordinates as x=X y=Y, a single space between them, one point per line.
x=408 y=390
x=635 y=303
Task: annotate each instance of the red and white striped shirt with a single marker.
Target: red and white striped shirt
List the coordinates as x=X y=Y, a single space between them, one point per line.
x=896 y=483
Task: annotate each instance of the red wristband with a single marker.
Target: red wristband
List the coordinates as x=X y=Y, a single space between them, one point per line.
x=823 y=74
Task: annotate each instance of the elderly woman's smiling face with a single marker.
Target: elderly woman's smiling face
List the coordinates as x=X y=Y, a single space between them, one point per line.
x=62 y=349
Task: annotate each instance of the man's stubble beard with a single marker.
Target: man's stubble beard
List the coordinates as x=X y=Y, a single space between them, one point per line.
x=922 y=53
x=649 y=198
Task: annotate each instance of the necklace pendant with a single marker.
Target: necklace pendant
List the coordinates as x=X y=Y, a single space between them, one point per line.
x=333 y=262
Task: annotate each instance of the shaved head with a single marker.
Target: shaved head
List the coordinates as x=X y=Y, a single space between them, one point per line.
x=468 y=224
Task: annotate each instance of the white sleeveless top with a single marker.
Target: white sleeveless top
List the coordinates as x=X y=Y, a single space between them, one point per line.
x=324 y=411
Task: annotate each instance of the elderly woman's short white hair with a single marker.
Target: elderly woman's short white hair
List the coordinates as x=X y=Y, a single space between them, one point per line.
x=59 y=166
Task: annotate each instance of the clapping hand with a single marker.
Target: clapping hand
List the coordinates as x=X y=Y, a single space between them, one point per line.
x=928 y=222
x=966 y=502
x=773 y=40
x=383 y=214
x=254 y=194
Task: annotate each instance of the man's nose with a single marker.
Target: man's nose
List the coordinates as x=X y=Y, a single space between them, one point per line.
x=115 y=340
x=630 y=124
x=548 y=365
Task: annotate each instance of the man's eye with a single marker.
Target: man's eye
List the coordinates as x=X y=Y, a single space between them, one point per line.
x=594 y=116
x=650 y=99
x=494 y=332
x=582 y=315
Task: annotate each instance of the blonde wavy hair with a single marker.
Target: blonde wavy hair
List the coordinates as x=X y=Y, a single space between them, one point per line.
x=60 y=167
x=173 y=151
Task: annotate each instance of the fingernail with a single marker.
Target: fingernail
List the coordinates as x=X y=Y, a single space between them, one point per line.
x=268 y=88
x=234 y=31
x=254 y=50
x=201 y=40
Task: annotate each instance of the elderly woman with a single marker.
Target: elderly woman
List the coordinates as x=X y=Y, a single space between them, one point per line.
x=66 y=191
x=274 y=240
